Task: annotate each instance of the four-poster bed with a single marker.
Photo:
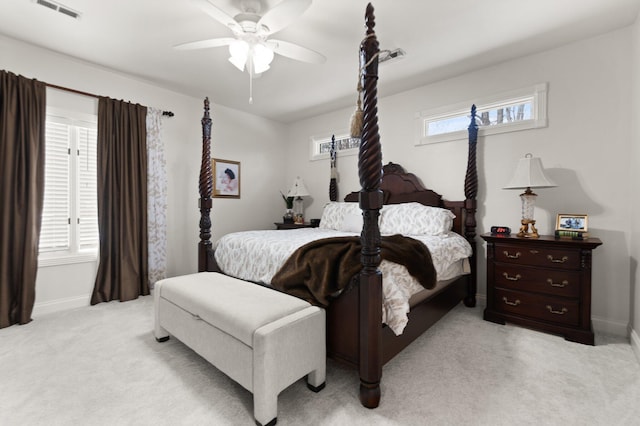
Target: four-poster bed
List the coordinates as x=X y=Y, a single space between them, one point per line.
x=356 y=334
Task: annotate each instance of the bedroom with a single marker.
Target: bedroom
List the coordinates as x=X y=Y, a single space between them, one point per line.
x=594 y=165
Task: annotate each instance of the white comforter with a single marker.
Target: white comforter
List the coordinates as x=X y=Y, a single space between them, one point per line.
x=258 y=255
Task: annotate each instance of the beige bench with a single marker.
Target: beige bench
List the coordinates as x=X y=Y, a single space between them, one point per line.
x=263 y=339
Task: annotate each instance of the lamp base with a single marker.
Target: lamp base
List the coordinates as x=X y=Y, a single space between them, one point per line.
x=524 y=229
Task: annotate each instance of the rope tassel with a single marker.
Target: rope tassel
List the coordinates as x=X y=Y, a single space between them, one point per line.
x=357 y=117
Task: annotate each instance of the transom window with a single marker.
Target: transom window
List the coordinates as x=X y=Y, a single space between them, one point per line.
x=508 y=112
x=345 y=145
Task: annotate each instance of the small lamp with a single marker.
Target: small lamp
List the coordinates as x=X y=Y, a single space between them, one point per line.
x=298 y=190
x=529 y=174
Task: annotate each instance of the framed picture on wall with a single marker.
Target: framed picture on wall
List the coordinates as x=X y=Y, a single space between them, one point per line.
x=226 y=178
x=572 y=222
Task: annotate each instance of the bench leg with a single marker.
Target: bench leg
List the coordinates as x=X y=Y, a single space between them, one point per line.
x=265 y=408
x=160 y=333
x=316 y=379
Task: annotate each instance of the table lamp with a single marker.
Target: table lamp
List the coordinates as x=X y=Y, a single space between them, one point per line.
x=298 y=190
x=529 y=174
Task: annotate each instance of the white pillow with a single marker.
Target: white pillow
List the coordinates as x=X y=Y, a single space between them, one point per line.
x=352 y=222
x=334 y=214
x=415 y=219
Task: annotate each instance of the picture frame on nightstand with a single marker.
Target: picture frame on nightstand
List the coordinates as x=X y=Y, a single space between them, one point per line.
x=572 y=222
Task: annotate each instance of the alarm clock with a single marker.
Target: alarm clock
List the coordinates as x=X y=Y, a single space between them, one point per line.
x=500 y=230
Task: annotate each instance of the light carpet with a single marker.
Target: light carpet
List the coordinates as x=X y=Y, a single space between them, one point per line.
x=101 y=365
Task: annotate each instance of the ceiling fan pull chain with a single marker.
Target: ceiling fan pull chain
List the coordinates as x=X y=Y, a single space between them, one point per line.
x=250 y=63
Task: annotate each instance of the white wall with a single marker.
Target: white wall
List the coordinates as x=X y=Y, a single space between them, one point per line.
x=254 y=141
x=583 y=149
x=634 y=194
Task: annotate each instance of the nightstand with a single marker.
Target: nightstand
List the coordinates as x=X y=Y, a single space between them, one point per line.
x=281 y=225
x=541 y=283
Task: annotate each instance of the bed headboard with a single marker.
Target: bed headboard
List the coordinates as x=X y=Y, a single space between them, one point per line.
x=399 y=186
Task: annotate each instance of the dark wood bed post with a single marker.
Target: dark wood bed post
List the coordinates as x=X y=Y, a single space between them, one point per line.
x=333 y=182
x=370 y=196
x=470 y=193
x=206 y=188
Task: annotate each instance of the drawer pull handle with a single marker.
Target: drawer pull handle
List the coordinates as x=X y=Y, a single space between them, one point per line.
x=560 y=312
x=516 y=278
x=534 y=251
x=512 y=256
x=516 y=303
x=564 y=283
x=564 y=259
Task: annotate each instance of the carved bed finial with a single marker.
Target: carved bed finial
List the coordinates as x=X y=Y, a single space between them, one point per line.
x=205 y=187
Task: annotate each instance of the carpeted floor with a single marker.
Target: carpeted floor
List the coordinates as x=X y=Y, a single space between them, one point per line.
x=101 y=365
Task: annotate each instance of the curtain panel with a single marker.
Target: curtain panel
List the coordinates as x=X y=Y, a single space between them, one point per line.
x=122 y=202
x=156 y=198
x=22 y=159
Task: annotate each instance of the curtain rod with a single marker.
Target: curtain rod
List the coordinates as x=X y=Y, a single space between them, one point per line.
x=79 y=92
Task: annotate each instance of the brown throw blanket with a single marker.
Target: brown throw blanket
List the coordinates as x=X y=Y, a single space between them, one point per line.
x=323 y=267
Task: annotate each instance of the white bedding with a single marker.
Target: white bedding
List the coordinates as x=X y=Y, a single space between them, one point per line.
x=258 y=255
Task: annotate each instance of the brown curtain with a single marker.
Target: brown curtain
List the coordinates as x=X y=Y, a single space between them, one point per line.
x=22 y=152
x=122 y=202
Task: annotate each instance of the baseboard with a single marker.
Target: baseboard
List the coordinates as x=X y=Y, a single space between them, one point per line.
x=610 y=327
x=635 y=343
x=58 y=305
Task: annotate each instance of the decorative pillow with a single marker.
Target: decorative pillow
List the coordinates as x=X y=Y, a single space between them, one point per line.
x=334 y=214
x=415 y=219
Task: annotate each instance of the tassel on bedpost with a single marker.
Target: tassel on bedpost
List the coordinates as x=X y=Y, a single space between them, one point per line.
x=357 y=117
x=370 y=174
x=205 y=187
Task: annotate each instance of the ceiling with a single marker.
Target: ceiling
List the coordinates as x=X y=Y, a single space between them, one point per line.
x=441 y=39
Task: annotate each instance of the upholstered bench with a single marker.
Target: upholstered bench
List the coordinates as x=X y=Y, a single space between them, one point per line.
x=263 y=339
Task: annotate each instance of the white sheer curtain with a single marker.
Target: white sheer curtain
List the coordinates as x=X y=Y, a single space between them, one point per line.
x=156 y=198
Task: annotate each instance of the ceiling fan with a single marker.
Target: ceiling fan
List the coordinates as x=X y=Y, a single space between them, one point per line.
x=251 y=48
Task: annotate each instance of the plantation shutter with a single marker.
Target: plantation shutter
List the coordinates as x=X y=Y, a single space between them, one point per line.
x=88 y=188
x=55 y=229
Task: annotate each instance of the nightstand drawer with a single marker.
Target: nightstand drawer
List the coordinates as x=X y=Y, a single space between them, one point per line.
x=537 y=256
x=555 y=282
x=536 y=306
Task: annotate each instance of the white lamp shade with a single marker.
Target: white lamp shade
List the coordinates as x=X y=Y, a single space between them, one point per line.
x=529 y=174
x=259 y=54
x=298 y=189
x=239 y=51
x=262 y=57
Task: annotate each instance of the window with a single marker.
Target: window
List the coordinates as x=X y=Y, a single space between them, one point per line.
x=345 y=145
x=70 y=214
x=508 y=112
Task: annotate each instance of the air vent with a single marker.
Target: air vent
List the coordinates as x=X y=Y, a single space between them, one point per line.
x=59 y=8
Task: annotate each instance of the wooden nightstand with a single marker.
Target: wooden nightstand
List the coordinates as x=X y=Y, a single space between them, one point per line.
x=541 y=283
x=281 y=225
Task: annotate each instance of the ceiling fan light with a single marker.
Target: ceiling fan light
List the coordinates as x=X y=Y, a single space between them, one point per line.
x=239 y=51
x=263 y=53
x=238 y=62
x=260 y=68
x=262 y=56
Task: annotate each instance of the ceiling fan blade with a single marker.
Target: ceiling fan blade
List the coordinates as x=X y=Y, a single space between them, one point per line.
x=295 y=51
x=205 y=44
x=218 y=14
x=282 y=15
